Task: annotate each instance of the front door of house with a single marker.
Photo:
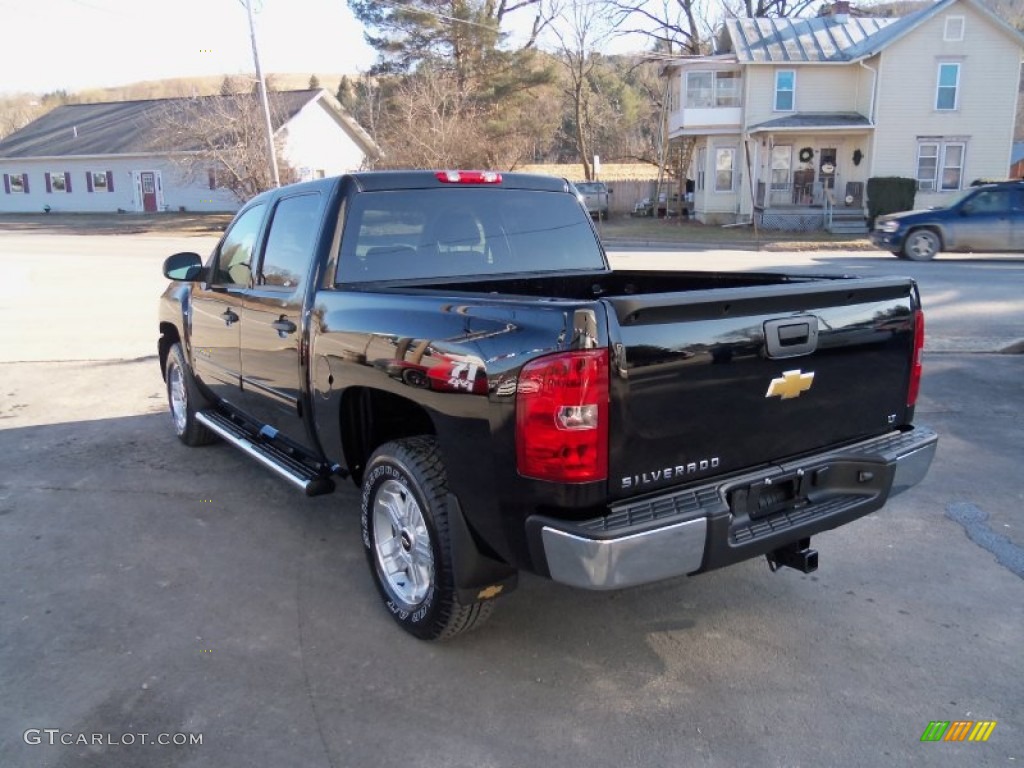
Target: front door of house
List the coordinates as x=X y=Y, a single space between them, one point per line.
x=148 y=180
x=827 y=168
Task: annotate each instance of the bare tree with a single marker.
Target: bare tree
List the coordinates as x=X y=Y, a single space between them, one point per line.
x=18 y=111
x=434 y=123
x=586 y=25
x=778 y=8
x=675 y=26
x=219 y=134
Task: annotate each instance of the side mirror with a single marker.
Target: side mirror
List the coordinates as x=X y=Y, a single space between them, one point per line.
x=610 y=191
x=185 y=266
x=967 y=209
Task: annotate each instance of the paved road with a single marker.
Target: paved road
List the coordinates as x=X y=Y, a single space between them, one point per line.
x=151 y=588
x=973 y=303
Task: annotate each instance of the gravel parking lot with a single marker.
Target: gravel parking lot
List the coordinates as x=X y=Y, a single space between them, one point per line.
x=154 y=589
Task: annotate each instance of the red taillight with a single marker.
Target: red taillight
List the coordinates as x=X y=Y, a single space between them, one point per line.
x=918 y=359
x=469 y=177
x=562 y=417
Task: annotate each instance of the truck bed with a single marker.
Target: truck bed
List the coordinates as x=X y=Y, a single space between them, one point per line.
x=695 y=358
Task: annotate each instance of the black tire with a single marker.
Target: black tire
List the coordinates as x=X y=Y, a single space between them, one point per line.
x=921 y=245
x=184 y=399
x=421 y=598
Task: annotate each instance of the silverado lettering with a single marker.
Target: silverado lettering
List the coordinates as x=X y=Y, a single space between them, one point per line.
x=668 y=473
x=456 y=344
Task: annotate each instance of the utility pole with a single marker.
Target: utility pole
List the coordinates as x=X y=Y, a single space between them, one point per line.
x=272 y=155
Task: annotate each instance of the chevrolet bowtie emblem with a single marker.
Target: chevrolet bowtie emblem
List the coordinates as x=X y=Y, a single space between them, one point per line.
x=791 y=384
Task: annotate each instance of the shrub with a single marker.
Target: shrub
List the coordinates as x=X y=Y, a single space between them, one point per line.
x=889 y=194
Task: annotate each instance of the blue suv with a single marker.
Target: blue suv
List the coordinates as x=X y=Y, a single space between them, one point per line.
x=987 y=218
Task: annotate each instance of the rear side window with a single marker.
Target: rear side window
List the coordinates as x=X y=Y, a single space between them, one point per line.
x=293 y=234
x=234 y=257
x=991 y=201
x=417 y=234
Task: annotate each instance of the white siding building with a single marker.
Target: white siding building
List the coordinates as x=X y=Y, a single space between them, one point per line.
x=791 y=117
x=99 y=158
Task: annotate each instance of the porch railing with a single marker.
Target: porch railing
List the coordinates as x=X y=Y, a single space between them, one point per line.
x=803 y=194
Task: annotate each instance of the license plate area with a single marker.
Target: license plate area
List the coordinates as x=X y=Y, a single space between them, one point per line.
x=797 y=488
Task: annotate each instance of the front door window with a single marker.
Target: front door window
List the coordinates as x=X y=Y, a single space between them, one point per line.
x=827 y=167
x=781 y=161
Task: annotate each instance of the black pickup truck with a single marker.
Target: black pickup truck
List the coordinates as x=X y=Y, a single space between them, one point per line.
x=456 y=343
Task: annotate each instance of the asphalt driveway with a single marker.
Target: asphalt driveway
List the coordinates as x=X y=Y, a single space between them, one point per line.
x=149 y=588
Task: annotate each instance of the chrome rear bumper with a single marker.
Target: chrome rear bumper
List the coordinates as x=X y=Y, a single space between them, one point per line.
x=685 y=532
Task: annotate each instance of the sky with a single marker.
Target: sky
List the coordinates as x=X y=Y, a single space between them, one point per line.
x=76 y=44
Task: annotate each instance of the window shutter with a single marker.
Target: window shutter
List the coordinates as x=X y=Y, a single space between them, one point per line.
x=49 y=184
x=110 y=181
x=24 y=182
x=88 y=181
x=67 y=181
x=7 y=184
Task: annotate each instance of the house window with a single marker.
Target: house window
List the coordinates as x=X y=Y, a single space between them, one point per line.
x=727 y=89
x=700 y=89
x=940 y=165
x=785 y=90
x=725 y=162
x=782 y=158
x=99 y=181
x=952 y=166
x=954 y=31
x=948 y=86
x=712 y=89
x=58 y=181
x=702 y=164
x=16 y=183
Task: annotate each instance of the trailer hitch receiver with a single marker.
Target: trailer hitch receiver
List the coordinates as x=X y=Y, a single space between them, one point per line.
x=798 y=555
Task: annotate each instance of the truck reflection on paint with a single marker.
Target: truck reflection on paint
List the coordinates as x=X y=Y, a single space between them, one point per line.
x=419 y=364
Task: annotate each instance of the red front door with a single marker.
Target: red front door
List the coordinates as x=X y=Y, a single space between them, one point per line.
x=149 y=192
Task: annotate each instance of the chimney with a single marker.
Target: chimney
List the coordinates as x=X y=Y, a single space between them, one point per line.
x=841 y=11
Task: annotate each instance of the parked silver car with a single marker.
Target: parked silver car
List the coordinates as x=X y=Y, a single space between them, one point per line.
x=595 y=197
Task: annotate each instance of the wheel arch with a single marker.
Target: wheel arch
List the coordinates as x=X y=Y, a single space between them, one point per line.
x=169 y=336
x=371 y=417
x=935 y=228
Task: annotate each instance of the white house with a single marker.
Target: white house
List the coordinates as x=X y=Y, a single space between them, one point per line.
x=100 y=157
x=791 y=117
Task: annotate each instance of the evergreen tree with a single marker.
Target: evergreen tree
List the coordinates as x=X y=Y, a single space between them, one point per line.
x=314 y=82
x=346 y=93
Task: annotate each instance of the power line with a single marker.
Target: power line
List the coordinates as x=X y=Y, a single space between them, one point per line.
x=435 y=14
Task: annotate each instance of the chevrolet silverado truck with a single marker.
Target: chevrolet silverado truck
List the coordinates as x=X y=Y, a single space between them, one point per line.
x=457 y=345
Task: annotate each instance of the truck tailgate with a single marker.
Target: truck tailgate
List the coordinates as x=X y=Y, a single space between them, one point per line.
x=711 y=382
